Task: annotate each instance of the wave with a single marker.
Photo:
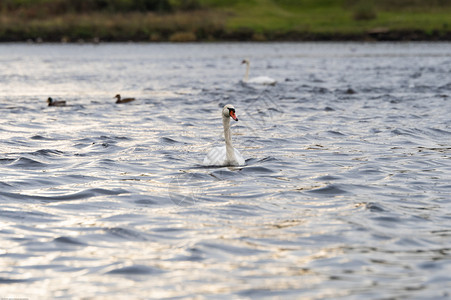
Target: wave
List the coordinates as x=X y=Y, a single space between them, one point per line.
x=85 y=194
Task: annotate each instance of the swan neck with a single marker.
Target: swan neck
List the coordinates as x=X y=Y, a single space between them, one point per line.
x=246 y=75
x=230 y=152
x=227 y=136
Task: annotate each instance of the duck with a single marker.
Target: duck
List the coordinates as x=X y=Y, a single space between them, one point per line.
x=263 y=80
x=225 y=155
x=125 y=100
x=52 y=102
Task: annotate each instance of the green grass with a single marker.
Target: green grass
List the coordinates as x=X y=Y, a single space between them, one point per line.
x=331 y=16
x=188 y=20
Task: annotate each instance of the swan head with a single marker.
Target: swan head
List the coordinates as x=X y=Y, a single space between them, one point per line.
x=229 y=112
x=245 y=61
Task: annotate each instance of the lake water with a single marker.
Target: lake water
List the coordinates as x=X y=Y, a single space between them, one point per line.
x=346 y=191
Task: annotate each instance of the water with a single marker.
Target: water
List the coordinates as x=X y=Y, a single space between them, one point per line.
x=345 y=193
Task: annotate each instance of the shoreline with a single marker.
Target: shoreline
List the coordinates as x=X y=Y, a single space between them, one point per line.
x=239 y=21
x=242 y=36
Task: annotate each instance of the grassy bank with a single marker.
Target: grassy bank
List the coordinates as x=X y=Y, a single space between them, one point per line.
x=211 y=20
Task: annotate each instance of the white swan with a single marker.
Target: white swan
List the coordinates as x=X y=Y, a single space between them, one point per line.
x=265 y=80
x=225 y=155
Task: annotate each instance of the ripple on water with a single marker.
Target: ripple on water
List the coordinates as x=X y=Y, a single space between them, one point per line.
x=47 y=152
x=6 y=161
x=329 y=190
x=327 y=178
x=224 y=173
x=126 y=234
x=374 y=207
x=41 y=138
x=256 y=170
x=136 y=270
x=241 y=210
x=68 y=241
x=28 y=163
x=84 y=194
x=4 y=280
x=167 y=140
x=28 y=216
x=4 y=185
x=231 y=249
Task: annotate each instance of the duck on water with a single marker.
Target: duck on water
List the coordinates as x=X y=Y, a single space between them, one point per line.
x=125 y=100
x=52 y=102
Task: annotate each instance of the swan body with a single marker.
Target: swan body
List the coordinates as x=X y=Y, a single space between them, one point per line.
x=264 y=80
x=52 y=102
x=217 y=156
x=125 y=100
x=225 y=155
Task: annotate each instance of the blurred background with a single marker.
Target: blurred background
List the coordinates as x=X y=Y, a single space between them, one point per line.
x=217 y=20
x=345 y=193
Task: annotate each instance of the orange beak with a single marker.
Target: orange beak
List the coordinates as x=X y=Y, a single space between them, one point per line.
x=232 y=114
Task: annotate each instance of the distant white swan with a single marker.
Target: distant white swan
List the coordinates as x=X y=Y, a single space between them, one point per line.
x=265 y=80
x=225 y=155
